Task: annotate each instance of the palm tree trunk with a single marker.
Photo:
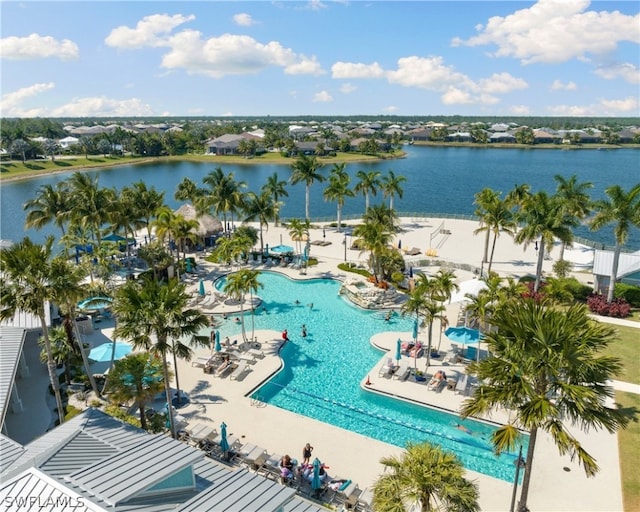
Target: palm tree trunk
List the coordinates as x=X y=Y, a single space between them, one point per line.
x=562 y=248
x=493 y=248
x=485 y=256
x=539 y=267
x=522 y=504
x=614 y=272
x=339 y=217
x=143 y=416
x=391 y=202
x=429 y=343
x=83 y=354
x=51 y=365
x=306 y=202
x=175 y=375
x=167 y=392
x=253 y=320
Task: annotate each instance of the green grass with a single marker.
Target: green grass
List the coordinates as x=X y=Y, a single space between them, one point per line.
x=629 y=450
x=627 y=348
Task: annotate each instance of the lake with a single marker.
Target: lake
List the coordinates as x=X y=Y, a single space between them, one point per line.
x=439 y=181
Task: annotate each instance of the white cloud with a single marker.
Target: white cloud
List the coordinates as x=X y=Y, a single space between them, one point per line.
x=228 y=54
x=343 y=70
x=455 y=96
x=627 y=71
x=520 y=110
x=36 y=46
x=11 y=102
x=322 y=97
x=348 y=88
x=603 y=108
x=558 y=85
x=501 y=83
x=554 y=31
x=150 y=31
x=391 y=109
x=426 y=73
x=103 y=107
x=316 y=5
x=243 y=19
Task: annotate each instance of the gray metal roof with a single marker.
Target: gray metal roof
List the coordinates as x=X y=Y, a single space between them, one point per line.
x=77 y=453
x=11 y=342
x=298 y=504
x=10 y=451
x=627 y=264
x=34 y=490
x=128 y=473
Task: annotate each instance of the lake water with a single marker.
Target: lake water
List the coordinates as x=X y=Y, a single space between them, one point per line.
x=439 y=181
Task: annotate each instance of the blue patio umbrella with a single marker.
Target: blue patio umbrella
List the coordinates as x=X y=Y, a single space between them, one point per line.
x=464 y=335
x=398 y=350
x=224 y=444
x=316 y=482
x=415 y=330
x=218 y=348
x=189 y=269
x=102 y=353
x=201 y=288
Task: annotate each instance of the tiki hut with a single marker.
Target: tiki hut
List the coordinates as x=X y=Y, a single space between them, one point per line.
x=208 y=225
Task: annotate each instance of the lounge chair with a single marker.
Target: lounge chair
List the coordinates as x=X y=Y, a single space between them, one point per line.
x=225 y=368
x=363 y=503
x=346 y=494
x=241 y=370
x=202 y=362
x=403 y=371
x=416 y=351
x=388 y=368
x=462 y=384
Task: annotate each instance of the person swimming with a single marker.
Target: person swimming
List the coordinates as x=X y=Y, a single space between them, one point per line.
x=304 y=331
x=464 y=429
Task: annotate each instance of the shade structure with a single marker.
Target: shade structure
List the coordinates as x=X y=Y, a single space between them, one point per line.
x=471 y=287
x=316 y=481
x=415 y=330
x=207 y=225
x=188 y=265
x=102 y=353
x=201 y=288
x=464 y=335
x=217 y=347
x=398 y=350
x=113 y=238
x=224 y=444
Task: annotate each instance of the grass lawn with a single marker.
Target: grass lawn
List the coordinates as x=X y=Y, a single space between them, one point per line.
x=627 y=348
x=629 y=450
x=15 y=169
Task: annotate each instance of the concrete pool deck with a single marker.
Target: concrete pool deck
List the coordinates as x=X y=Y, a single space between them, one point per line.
x=214 y=400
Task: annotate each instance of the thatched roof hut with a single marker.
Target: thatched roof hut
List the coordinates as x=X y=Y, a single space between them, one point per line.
x=208 y=225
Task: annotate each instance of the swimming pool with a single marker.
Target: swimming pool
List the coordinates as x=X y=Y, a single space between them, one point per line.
x=322 y=373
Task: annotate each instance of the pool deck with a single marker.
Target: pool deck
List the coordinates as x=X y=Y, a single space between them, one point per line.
x=557 y=483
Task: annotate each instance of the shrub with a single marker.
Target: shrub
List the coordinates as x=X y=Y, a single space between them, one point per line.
x=71 y=411
x=116 y=412
x=579 y=291
x=352 y=267
x=629 y=293
x=618 y=308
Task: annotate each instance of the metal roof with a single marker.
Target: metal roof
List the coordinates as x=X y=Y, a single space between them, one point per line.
x=128 y=473
x=10 y=451
x=11 y=343
x=627 y=264
x=34 y=490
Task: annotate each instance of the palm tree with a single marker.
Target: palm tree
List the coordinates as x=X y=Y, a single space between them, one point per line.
x=392 y=186
x=623 y=210
x=373 y=237
x=51 y=204
x=338 y=189
x=223 y=196
x=187 y=190
x=63 y=352
x=575 y=200
x=154 y=316
x=415 y=304
x=381 y=214
x=484 y=201
x=305 y=170
x=299 y=232
x=548 y=367
x=497 y=218
x=237 y=286
x=368 y=184
x=262 y=208
x=26 y=285
x=276 y=189
x=544 y=221
x=146 y=202
x=136 y=378
x=425 y=478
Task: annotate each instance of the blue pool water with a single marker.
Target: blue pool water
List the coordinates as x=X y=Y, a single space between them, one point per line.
x=322 y=373
x=94 y=303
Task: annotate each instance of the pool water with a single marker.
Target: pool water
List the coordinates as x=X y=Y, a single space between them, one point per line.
x=322 y=372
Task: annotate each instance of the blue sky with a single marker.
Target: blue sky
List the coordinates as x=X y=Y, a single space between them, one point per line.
x=165 y=58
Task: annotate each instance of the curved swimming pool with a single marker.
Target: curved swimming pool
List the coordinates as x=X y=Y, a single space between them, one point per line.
x=322 y=373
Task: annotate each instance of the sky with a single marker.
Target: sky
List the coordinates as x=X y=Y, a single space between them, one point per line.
x=319 y=57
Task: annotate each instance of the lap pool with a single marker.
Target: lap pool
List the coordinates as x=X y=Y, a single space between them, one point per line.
x=322 y=373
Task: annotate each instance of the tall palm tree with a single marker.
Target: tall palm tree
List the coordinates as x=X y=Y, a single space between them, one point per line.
x=51 y=204
x=238 y=285
x=425 y=478
x=136 y=378
x=575 y=200
x=153 y=316
x=496 y=218
x=305 y=170
x=544 y=220
x=623 y=210
x=392 y=186
x=223 y=195
x=484 y=201
x=368 y=184
x=261 y=208
x=548 y=367
x=187 y=190
x=299 y=232
x=373 y=237
x=26 y=285
x=384 y=215
x=276 y=189
x=338 y=189
x=146 y=202
x=414 y=305
x=62 y=351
